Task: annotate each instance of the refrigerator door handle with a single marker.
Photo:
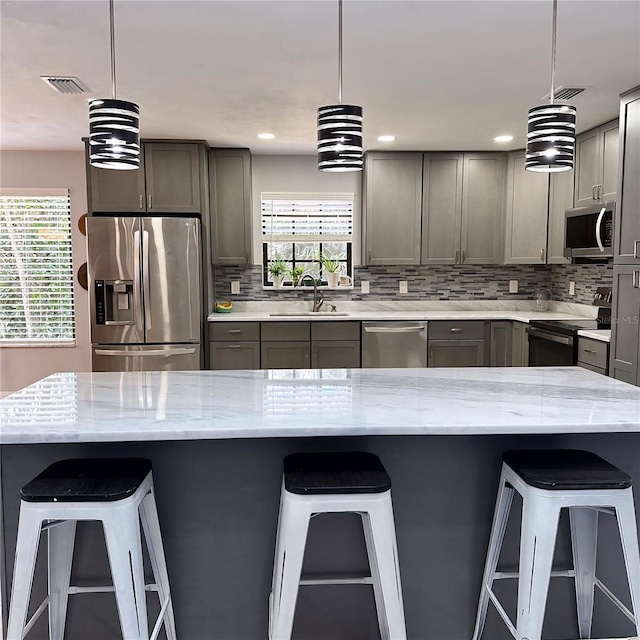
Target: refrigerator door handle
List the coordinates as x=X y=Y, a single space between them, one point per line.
x=178 y=351
x=145 y=280
x=137 y=300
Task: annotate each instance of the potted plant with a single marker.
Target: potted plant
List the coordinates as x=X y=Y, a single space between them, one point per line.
x=296 y=273
x=332 y=270
x=277 y=270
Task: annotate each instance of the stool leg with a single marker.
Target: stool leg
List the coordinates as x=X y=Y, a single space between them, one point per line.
x=292 y=539
x=25 y=563
x=537 y=545
x=628 y=527
x=375 y=572
x=386 y=561
x=584 y=541
x=124 y=547
x=151 y=528
x=498 y=530
x=61 y=543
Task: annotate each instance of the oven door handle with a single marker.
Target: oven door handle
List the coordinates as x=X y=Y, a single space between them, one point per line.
x=599 y=227
x=551 y=337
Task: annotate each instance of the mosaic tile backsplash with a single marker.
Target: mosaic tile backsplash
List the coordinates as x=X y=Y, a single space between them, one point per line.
x=445 y=282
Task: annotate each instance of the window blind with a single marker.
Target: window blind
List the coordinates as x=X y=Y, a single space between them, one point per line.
x=36 y=271
x=307 y=218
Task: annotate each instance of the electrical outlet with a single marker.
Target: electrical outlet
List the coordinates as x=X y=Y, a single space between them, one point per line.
x=403 y=286
x=235 y=286
x=513 y=286
x=364 y=286
x=572 y=288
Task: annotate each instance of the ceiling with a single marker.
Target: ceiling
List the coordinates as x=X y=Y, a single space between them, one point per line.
x=439 y=75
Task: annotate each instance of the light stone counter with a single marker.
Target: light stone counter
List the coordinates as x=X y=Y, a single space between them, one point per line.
x=603 y=335
x=157 y=406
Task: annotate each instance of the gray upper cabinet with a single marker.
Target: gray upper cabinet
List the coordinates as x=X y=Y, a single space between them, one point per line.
x=230 y=193
x=627 y=218
x=393 y=208
x=560 y=199
x=442 y=208
x=623 y=364
x=596 y=165
x=525 y=240
x=482 y=207
x=172 y=175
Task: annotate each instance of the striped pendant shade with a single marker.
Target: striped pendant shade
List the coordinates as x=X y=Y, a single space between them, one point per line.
x=114 y=134
x=340 y=138
x=551 y=138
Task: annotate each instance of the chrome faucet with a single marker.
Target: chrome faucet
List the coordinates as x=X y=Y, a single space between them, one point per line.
x=318 y=298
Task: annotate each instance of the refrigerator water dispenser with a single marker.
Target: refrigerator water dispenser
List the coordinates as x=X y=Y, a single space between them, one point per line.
x=114 y=302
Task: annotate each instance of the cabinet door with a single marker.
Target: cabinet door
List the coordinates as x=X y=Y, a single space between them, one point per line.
x=482 y=208
x=393 y=208
x=527 y=213
x=441 y=208
x=456 y=353
x=172 y=173
x=624 y=328
x=501 y=344
x=234 y=355
x=230 y=193
x=627 y=219
x=114 y=191
x=520 y=345
x=285 y=355
x=335 y=354
x=588 y=161
x=560 y=199
x=608 y=185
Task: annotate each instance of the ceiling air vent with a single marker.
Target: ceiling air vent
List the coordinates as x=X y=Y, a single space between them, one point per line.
x=563 y=94
x=65 y=84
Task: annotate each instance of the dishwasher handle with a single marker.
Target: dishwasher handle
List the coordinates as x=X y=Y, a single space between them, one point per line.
x=413 y=329
x=551 y=337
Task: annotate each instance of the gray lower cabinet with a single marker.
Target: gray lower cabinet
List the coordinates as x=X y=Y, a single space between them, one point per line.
x=335 y=354
x=456 y=353
x=525 y=239
x=500 y=348
x=230 y=196
x=593 y=355
x=520 y=345
x=234 y=355
x=286 y=355
x=392 y=208
x=623 y=362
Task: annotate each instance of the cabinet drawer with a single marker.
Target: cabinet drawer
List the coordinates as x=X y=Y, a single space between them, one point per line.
x=593 y=352
x=332 y=330
x=590 y=367
x=234 y=355
x=452 y=330
x=237 y=331
x=286 y=331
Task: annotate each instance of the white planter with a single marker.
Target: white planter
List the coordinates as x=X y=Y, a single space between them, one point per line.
x=277 y=281
x=333 y=279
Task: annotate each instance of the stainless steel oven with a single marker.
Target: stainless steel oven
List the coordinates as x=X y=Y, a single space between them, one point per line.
x=550 y=349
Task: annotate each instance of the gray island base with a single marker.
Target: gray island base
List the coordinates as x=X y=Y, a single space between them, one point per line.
x=440 y=434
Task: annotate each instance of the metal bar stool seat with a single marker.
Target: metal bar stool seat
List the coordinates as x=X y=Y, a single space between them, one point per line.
x=548 y=481
x=119 y=493
x=315 y=483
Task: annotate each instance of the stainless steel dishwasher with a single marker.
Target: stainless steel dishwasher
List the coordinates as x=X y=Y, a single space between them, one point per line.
x=394 y=344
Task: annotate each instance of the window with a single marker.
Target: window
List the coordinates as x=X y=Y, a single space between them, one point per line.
x=297 y=228
x=36 y=274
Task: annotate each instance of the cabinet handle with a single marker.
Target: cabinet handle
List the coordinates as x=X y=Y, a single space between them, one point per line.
x=456 y=330
x=589 y=351
x=600 y=192
x=431 y=351
x=141 y=201
x=234 y=330
x=369 y=257
x=464 y=256
x=457 y=258
x=636 y=249
x=150 y=202
x=234 y=346
x=593 y=192
x=636 y=280
x=542 y=255
x=306 y=353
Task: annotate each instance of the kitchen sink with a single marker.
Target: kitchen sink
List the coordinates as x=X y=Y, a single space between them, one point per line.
x=309 y=313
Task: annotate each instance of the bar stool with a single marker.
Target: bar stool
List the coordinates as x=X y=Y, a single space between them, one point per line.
x=316 y=483
x=119 y=493
x=549 y=481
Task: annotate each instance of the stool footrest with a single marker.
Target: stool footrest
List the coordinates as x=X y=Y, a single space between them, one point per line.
x=607 y=592
x=501 y=611
x=508 y=575
x=35 y=616
x=305 y=582
x=160 y=619
x=73 y=590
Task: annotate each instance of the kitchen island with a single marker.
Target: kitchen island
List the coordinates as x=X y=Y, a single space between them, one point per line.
x=217 y=440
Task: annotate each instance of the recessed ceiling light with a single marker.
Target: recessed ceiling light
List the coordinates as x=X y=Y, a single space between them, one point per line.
x=386 y=138
x=503 y=139
x=266 y=136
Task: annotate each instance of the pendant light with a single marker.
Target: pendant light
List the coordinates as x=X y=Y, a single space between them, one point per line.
x=114 y=125
x=340 y=127
x=551 y=128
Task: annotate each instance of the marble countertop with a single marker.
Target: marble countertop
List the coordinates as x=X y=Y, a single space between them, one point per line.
x=146 y=406
x=603 y=335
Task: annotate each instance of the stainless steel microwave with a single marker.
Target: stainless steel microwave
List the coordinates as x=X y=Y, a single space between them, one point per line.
x=589 y=231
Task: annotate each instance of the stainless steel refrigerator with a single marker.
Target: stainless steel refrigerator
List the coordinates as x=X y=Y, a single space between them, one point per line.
x=145 y=293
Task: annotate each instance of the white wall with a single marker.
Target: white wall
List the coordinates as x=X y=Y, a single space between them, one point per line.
x=20 y=366
x=299 y=174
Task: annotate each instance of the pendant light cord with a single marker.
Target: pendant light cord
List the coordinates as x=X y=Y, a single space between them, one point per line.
x=113 y=52
x=553 y=51
x=339 y=51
